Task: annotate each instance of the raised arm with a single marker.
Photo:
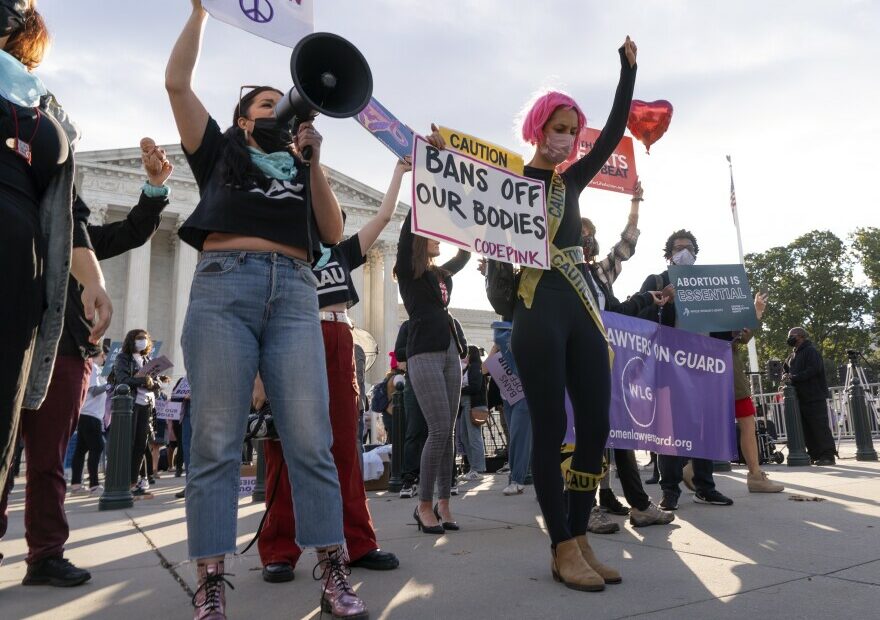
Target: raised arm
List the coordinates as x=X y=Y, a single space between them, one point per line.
x=626 y=247
x=328 y=214
x=372 y=229
x=457 y=262
x=189 y=113
x=583 y=170
x=403 y=267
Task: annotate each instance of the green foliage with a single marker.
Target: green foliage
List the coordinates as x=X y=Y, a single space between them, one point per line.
x=811 y=284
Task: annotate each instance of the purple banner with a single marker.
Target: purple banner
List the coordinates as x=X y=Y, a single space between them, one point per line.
x=671 y=391
x=376 y=119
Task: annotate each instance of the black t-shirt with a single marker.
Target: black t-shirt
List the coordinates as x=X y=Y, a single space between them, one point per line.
x=277 y=211
x=334 y=278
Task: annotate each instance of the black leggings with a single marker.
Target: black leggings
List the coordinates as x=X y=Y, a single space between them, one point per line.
x=557 y=345
x=140 y=428
x=89 y=439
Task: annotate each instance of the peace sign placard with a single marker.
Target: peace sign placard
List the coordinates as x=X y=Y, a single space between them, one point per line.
x=281 y=21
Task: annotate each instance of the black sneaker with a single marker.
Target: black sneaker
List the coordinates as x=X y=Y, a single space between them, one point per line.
x=825 y=461
x=278 y=572
x=669 y=502
x=409 y=489
x=180 y=494
x=376 y=560
x=608 y=502
x=55 y=571
x=712 y=497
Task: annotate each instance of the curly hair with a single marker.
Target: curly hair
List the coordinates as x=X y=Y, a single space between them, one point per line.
x=680 y=234
x=130 y=337
x=31 y=41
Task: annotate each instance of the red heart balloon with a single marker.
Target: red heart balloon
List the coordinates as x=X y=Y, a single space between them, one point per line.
x=649 y=121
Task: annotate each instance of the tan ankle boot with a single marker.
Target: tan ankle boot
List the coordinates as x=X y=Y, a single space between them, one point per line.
x=570 y=567
x=608 y=574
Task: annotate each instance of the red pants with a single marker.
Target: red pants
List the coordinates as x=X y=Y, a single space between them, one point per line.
x=276 y=542
x=46 y=433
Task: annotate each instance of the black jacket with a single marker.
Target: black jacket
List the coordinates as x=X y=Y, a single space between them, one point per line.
x=400 y=343
x=430 y=324
x=124 y=371
x=664 y=315
x=633 y=306
x=108 y=240
x=807 y=371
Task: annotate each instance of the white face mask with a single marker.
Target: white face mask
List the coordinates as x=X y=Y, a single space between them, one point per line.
x=140 y=345
x=557 y=147
x=684 y=257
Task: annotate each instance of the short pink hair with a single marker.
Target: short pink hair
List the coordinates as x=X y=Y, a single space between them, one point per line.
x=543 y=109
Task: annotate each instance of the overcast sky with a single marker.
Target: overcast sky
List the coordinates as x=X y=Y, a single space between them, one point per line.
x=783 y=87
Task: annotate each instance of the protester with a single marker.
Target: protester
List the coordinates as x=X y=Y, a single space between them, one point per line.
x=416 y=427
x=473 y=396
x=805 y=370
x=279 y=552
x=757 y=480
x=681 y=249
x=44 y=238
x=558 y=338
x=90 y=430
x=182 y=429
x=433 y=351
x=262 y=213
x=47 y=430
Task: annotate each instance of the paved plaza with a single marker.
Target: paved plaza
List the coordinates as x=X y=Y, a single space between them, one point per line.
x=768 y=556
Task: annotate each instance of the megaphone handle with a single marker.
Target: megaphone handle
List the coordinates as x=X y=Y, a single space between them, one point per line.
x=307 y=152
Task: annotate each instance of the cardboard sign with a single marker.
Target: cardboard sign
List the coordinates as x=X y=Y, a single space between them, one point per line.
x=155 y=366
x=712 y=298
x=477 y=207
x=508 y=383
x=619 y=172
x=283 y=22
x=182 y=390
x=168 y=410
x=246 y=485
x=483 y=150
x=376 y=119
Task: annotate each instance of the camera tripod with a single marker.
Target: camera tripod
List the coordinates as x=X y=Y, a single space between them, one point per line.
x=853 y=371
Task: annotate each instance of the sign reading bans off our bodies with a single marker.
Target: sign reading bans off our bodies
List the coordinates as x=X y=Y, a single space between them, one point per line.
x=478 y=207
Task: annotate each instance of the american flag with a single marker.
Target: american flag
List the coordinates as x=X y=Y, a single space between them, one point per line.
x=732 y=193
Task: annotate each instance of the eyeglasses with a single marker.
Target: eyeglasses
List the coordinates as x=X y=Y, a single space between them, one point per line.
x=250 y=88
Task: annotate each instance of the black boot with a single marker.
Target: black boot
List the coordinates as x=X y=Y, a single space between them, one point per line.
x=55 y=571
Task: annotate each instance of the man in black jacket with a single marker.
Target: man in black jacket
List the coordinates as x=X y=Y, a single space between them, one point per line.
x=681 y=249
x=805 y=370
x=47 y=431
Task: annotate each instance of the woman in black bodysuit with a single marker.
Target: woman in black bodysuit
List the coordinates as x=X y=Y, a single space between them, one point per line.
x=558 y=339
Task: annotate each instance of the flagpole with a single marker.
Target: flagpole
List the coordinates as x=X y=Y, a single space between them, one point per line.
x=753 y=349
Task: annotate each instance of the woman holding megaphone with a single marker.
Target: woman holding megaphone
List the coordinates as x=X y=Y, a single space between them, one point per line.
x=558 y=339
x=262 y=213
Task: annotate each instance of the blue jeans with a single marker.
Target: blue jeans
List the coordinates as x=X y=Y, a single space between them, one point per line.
x=519 y=425
x=186 y=437
x=470 y=437
x=249 y=312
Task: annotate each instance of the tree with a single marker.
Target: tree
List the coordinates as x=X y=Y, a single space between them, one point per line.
x=811 y=284
x=866 y=245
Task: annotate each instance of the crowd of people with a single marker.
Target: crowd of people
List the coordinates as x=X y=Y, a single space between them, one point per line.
x=267 y=328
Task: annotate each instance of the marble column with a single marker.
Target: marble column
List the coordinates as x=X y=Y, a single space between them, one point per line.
x=377 y=293
x=389 y=256
x=358 y=312
x=186 y=258
x=137 y=289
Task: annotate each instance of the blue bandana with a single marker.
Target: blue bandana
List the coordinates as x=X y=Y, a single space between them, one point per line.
x=17 y=84
x=279 y=165
x=325 y=256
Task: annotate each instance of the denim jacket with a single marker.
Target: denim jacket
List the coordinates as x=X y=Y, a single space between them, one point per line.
x=56 y=225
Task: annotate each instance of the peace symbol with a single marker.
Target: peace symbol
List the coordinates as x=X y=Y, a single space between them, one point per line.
x=259 y=11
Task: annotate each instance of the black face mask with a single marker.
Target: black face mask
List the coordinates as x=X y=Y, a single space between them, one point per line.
x=792 y=340
x=272 y=136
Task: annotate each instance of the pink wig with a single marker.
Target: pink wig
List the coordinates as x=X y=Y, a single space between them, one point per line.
x=542 y=110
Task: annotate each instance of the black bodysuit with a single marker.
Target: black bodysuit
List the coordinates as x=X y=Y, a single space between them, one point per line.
x=557 y=345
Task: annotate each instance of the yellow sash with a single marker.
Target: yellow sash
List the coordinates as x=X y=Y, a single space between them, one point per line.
x=563 y=262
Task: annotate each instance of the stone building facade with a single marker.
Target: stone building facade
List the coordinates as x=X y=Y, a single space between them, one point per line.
x=150 y=286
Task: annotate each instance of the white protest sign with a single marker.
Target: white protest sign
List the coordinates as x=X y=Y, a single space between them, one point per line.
x=281 y=21
x=246 y=485
x=182 y=389
x=478 y=207
x=167 y=410
x=508 y=383
x=155 y=366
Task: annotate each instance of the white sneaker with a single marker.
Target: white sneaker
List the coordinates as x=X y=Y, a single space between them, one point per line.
x=504 y=469
x=453 y=490
x=409 y=491
x=514 y=488
x=77 y=489
x=143 y=484
x=96 y=490
x=472 y=475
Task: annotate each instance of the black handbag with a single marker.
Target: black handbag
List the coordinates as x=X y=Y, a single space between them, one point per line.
x=501 y=285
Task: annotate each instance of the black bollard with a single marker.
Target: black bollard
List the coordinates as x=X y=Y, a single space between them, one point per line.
x=259 y=494
x=794 y=431
x=117 y=478
x=398 y=435
x=858 y=413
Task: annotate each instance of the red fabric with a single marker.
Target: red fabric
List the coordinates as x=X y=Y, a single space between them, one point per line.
x=276 y=543
x=744 y=407
x=46 y=433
